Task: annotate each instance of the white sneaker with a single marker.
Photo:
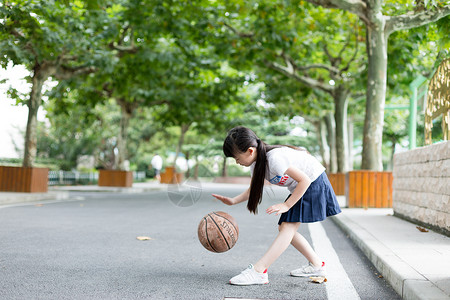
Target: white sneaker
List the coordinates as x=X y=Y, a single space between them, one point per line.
x=249 y=276
x=309 y=270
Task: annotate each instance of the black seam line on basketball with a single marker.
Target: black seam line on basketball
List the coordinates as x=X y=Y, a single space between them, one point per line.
x=227 y=220
x=206 y=233
x=220 y=232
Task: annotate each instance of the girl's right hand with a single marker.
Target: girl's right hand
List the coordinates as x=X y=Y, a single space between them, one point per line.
x=226 y=200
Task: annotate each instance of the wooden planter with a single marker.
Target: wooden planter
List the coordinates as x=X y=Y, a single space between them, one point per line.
x=115 y=178
x=170 y=176
x=23 y=180
x=369 y=189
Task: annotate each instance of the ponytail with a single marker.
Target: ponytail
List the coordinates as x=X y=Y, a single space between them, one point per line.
x=259 y=174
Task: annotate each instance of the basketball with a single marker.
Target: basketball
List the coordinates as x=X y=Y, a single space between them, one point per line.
x=218 y=232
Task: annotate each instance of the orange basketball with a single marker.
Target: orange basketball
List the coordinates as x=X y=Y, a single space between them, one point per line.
x=218 y=231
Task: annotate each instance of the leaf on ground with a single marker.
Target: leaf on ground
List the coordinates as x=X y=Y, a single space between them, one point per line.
x=319 y=279
x=421 y=229
x=39 y=205
x=144 y=238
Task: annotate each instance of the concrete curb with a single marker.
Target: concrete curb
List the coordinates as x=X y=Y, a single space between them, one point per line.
x=405 y=280
x=15 y=198
x=131 y=190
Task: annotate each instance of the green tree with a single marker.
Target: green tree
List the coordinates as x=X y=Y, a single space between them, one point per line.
x=313 y=105
x=158 y=60
x=51 y=39
x=74 y=132
x=395 y=129
x=275 y=35
x=382 y=18
x=202 y=102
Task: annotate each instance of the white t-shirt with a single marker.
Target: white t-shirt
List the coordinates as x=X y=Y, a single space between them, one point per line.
x=157 y=162
x=280 y=159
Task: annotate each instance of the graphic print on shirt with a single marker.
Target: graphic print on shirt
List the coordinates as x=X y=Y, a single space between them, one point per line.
x=280 y=180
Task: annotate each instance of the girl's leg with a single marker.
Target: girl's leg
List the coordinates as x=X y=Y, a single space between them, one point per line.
x=284 y=238
x=302 y=245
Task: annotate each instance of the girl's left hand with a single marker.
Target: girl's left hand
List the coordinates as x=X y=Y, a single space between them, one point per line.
x=278 y=208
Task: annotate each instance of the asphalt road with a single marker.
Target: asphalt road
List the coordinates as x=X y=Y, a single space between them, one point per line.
x=86 y=248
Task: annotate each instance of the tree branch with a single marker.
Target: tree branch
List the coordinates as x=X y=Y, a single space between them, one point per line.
x=160 y=102
x=122 y=36
x=330 y=57
x=28 y=45
x=339 y=57
x=412 y=20
x=358 y=95
x=240 y=34
x=124 y=49
x=357 y=7
x=290 y=61
x=289 y=71
x=64 y=72
x=107 y=88
x=354 y=53
x=319 y=66
x=17 y=34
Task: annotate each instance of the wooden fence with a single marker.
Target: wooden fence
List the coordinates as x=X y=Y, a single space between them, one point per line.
x=369 y=189
x=337 y=180
x=364 y=188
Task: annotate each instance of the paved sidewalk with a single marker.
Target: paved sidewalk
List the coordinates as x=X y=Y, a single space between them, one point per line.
x=7 y=198
x=416 y=264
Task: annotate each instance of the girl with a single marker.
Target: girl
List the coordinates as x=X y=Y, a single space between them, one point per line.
x=312 y=198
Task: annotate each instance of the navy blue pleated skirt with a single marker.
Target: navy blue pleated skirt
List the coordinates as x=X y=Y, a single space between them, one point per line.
x=318 y=203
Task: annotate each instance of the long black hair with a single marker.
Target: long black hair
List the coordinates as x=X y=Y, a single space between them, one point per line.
x=238 y=140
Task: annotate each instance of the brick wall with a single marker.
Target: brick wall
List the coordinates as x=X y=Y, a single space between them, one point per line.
x=422 y=186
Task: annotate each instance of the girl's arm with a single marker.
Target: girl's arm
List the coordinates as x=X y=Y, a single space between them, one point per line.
x=303 y=184
x=231 y=201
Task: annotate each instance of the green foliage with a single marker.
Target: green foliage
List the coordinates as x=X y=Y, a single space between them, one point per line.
x=34 y=32
x=416 y=52
x=203 y=64
x=396 y=7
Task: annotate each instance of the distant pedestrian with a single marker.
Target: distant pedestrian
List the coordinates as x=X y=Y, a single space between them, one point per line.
x=312 y=198
x=157 y=164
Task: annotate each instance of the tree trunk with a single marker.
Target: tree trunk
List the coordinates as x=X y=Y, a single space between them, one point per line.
x=41 y=72
x=196 y=168
x=324 y=149
x=39 y=77
x=391 y=161
x=329 y=121
x=188 y=172
x=224 y=167
x=122 y=141
x=350 y=143
x=184 y=129
x=340 y=117
x=376 y=40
